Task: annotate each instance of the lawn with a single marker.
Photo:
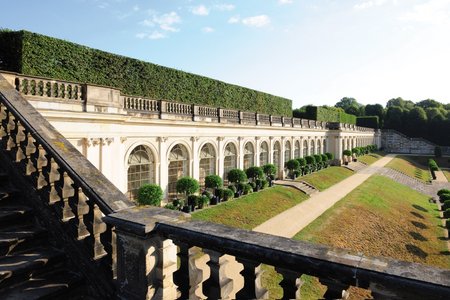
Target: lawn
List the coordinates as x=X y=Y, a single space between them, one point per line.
x=412 y=166
x=325 y=178
x=381 y=218
x=254 y=209
x=370 y=158
x=446 y=173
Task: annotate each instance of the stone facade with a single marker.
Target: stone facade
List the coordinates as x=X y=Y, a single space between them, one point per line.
x=395 y=142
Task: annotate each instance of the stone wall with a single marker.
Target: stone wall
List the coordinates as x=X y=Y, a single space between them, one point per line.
x=396 y=142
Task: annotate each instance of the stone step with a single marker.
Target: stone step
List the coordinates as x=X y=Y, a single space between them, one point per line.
x=19 y=238
x=10 y=215
x=57 y=285
x=22 y=266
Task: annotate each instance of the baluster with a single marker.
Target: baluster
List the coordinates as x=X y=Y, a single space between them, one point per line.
x=41 y=162
x=3 y=115
x=9 y=129
x=67 y=192
x=25 y=86
x=62 y=90
x=29 y=150
x=335 y=290
x=166 y=265
x=75 y=92
x=20 y=137
x=291 y=283
x=54 y=176
x=40 y=88
x=33 y=88
x=82 y=209
x=55 y=90
x=196 y=274
x=114 y=252
x=181 y=276
x=48 y=89
x=69 y=91
x=249 y=291
x=98 y=227
x=218 y=285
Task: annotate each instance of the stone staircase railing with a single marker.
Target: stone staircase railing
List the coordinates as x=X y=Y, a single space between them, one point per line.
x=157 y=250
x=74 y=190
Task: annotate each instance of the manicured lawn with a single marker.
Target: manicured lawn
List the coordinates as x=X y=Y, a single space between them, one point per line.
x=325 y=178
x=382 y=218
x=369 y=159
x=411 y=166
x=254 y=209
x=446 y=173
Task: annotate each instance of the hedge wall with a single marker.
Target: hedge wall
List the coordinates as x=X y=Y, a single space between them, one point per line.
x=34 y=54
x=329 y=114
x=368 y=121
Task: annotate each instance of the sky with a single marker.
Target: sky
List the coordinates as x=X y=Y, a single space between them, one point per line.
x=309 y=51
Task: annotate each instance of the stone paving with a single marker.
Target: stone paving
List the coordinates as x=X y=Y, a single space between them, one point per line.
x=299 y=185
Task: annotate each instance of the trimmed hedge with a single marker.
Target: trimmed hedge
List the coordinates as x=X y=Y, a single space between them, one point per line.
x=368 y=121
x=328 y=114
x=34 y=54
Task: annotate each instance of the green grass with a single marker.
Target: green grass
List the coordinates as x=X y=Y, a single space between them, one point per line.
x=254 y=209
x=380 y=218
x=370 y=158
x=325 y=178
x=412 y=166
x=446 y=173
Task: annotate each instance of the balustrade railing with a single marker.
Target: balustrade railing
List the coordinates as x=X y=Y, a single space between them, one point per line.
x=206 y=111
x=276 y=120
x=66 y=181
x=230 y=115
x=179 y=252
x=141 y=104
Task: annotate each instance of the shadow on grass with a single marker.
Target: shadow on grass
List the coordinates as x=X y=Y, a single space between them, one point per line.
x=416 y=214
x=414 y=250
x=418 y=207
x=419 y=225
x=417 y=236
x=445 y=252
x=443 y=238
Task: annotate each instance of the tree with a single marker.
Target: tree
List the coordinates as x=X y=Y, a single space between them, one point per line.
x=346 y=102
x=213 y=182
x=269 y=169
x=394 y=117
x=404 y=104
x=375 y=110
x=292 y=164
x=433 y=112
x=237 y=176
x=416 y=121
x=429 y=103
x=353 y=110
x=187 y=185
x=254 y=173
x=150 y=194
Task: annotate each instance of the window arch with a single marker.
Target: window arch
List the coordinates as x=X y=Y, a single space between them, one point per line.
x=297 y=149
x=178 y=167
x=264 y=154
x=230 y=160
x=311 y=148
x=287 y=151
x=207 y=164
x=276 y=154
x=249 y=155
x=141 y=169
x=305 y=148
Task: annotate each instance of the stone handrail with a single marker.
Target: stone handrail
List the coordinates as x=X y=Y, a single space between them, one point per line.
x=141 y=104
x=77 y=192
x=171 y=247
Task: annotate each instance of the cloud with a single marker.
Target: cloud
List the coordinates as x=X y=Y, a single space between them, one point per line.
x=432 y=12
x=224 y=7
x=155 y=35
x=165 y=21
x=234 y=20
x=282 y=2
x=368 y=4
x=208 y=29
x=200 y=10
x=256 y=21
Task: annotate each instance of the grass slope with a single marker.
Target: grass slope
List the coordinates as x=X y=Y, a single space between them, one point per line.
x=254 y=209
x=325 y=178
x=411 y=166
x=369 y=159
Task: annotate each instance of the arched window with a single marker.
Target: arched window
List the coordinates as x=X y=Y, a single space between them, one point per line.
x=264 y=154
x=276 y=154
x=178 y=167
x=311 y=148
x=297 y=149
x=230 y=160
x=305 y=148
x=319 y=150
x=141 y=169
x=207 y=163
x=287 y=151
x=249 y=154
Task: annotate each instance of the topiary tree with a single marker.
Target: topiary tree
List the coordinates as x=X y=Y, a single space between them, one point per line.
x=269 y=169
x=310 y=160
x=301 y=161
x=443 y=191
x=213 y=182
x=187 y=186
x=150 y=194
x=347 y=153
x=254 y=173
x=237 y=176
x=329 y=155
x=447 y=224
x=292 y=165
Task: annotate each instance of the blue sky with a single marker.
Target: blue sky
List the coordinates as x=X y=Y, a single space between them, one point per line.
x=310 y=51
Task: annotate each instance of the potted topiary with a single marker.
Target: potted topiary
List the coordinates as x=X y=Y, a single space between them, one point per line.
x=318 y=159
x=237 y=177
x=247 y=189
x=347 y=154
x=187 y=186
x=213 y=182
x=227 y=194
x=292 y=165
x=254 y=173
x=325 y=161
x=150 y=194
x=203 y=201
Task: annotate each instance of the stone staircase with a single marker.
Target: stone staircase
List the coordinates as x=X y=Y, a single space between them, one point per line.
x=355 y=166
x=299 y=185
x=30 y=266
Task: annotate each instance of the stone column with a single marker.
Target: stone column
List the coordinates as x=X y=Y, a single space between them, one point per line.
x=270 y=150
x=220 y=157
x=240 y=162
x=257 y=150
x=163 y=164
x=195 y=159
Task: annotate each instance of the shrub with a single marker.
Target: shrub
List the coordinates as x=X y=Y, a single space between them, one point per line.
x=329 y=155
x=220 y=192
x=254 y=173
x=297 y=173
x=447 y=213
x=324 y=157
x=318 y=158
x=187 y=185
x=301 y=161
x=193 y=200
x=253 y=185
x=443 y=191
x=237 y=176
x=269 y=169
x=446 y=205
x=310 y=160
x=203 y=201
x=247 y=189
x=444 y=197
x=356 y=151
x=232 y=188
x=438 y=151
x=150 y=194
x=240 y=186
x=213 y=181
x=447 y=224
x=170 y=206
x=347 y=153
x=207 y=194
x=228 y=194
x=292 y=164
x=264 y=183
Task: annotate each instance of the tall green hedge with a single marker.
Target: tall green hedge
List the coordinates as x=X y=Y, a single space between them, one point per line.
x=329 y=114
x=39 y=55
x=368 y=121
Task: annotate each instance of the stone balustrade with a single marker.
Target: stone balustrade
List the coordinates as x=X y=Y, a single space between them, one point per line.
x=162 y=255
x=141 y=104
